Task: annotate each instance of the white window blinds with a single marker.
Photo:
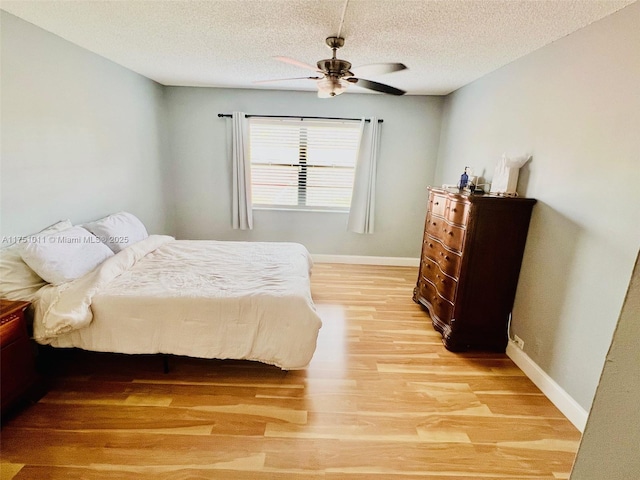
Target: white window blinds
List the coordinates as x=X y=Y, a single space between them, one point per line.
x=303 y=163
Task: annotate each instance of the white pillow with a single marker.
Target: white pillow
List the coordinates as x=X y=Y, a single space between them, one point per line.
x=64 y=256
x=17 y=280
x=56 y=227
x=119 y=230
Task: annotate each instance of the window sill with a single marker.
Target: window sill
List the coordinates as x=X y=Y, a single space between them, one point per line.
x=301 y=210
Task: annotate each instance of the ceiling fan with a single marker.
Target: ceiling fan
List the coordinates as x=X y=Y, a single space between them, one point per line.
x=335 y=75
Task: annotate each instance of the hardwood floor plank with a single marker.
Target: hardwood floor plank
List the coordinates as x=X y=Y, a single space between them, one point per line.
x=381 y=400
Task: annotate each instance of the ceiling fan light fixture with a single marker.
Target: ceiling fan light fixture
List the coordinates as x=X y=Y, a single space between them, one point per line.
x=331 y=86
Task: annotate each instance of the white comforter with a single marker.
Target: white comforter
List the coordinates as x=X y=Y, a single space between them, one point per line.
x=209 y=299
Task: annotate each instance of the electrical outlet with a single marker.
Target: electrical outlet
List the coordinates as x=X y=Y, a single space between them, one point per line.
x=519 y=342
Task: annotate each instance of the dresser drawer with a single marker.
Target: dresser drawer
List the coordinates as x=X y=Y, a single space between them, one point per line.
x=442 y=308
x=445 y=285
x=428 y=268
x=11 y=328
x=449 y=262
x=451 y=236
x=457 y=212
x=438 y=205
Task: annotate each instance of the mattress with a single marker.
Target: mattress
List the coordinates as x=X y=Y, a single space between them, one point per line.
x=208 y=299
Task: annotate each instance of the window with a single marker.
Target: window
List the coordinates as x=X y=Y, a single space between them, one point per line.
x=303 y=164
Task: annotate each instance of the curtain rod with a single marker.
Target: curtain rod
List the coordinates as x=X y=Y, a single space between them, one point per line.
x=302 y=117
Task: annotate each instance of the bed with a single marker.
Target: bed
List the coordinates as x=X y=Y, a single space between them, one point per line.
x=155 y=294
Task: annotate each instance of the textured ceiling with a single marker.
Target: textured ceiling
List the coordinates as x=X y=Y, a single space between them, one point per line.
x=225 y=43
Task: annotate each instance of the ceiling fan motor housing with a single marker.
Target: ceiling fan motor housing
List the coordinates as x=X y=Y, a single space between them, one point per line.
x=335 y=66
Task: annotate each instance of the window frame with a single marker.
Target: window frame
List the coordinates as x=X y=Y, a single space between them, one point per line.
x=302 y=162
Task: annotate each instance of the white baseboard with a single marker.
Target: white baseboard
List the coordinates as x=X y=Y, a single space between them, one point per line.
x=366 y=260
x=561 y=399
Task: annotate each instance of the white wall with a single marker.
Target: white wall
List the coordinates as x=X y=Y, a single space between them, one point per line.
x=201 y=171
x=574 y=106
x=81 y=136
x=609 y=447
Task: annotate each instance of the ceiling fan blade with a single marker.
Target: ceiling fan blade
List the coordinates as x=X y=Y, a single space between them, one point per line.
x=297 y=63
x=378 y=69
x=286 y=79
x=378 y=87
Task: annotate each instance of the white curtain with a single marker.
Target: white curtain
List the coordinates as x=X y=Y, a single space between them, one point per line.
x=362 y=212
x=242 y=212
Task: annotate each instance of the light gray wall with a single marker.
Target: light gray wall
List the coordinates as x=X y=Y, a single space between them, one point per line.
x=574 y=106
x=202 y=169
x=81 y=136
x=609 y=447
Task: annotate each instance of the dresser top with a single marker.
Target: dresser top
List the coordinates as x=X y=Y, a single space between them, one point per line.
x=10 y=306
x=479 y=197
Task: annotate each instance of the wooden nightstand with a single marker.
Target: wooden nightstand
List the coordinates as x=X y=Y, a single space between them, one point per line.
x=17 y=362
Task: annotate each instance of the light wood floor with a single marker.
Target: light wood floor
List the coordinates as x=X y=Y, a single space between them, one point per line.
x=382 y=399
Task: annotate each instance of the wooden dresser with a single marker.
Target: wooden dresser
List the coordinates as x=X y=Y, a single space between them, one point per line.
x=17 y=362
x=471 y=256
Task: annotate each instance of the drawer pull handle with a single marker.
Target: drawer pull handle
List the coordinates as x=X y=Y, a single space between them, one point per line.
x=451 y=234
x=434 y=224
x=437 y=203
x=446 y=257
x=10 y=318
